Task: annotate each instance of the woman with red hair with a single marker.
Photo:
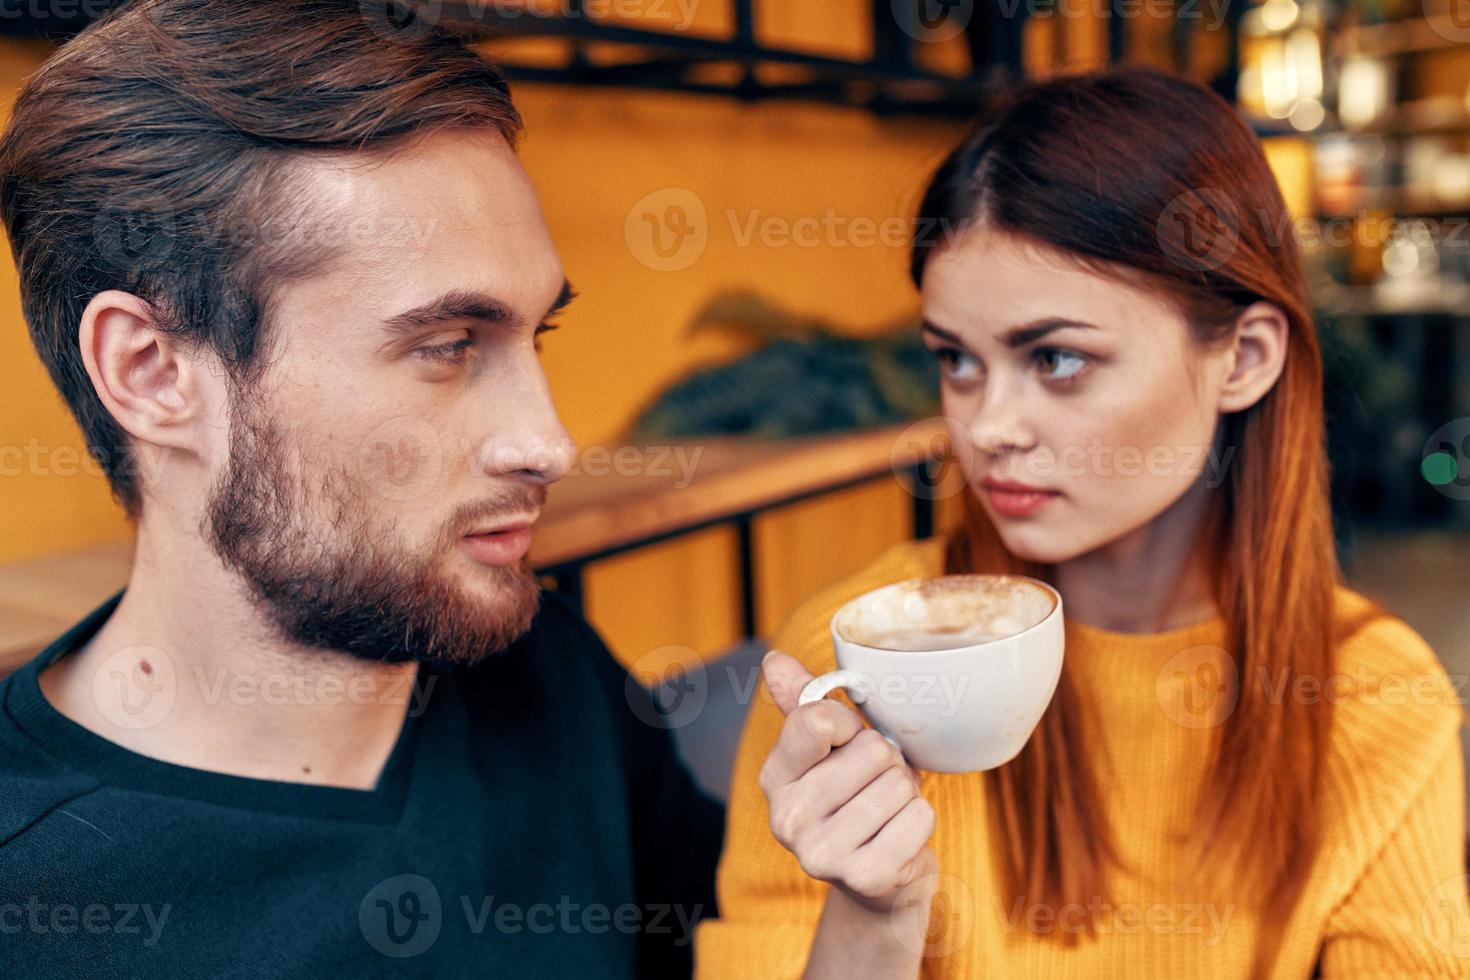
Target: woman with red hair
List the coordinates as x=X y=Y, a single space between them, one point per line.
x=1247 y=769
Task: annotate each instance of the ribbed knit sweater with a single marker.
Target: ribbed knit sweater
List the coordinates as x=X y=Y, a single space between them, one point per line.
x=1387 y=892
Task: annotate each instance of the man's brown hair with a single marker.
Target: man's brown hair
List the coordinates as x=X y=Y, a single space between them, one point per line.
x=158 y=152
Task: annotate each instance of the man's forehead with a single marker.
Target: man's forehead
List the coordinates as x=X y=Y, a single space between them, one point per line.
x=455 y=212
x=444 y=177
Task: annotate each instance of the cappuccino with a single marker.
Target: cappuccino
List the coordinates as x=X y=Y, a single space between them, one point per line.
x=945 y=613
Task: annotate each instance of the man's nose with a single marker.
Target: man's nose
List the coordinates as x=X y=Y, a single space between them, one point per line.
x=529 y=442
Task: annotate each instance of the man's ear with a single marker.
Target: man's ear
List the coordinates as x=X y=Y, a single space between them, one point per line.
x=1258 y=357
x=141 y=374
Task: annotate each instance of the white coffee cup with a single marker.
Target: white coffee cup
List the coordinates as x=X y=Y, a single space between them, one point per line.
x=990 y=658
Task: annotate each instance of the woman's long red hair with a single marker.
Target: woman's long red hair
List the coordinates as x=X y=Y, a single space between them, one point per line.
x=1140 y=174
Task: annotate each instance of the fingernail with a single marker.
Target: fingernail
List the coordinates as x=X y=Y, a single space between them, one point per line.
x=768 y=656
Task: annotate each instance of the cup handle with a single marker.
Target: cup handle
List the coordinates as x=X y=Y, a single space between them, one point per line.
x=858 y=687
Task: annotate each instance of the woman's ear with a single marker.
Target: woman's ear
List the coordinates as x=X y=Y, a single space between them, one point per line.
x=138 y=371
x=1257 y=358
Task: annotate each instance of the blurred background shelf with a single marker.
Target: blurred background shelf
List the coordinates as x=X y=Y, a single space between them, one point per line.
x=1411 y=35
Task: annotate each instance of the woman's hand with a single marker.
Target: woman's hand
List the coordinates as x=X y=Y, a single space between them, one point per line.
x=843 y=799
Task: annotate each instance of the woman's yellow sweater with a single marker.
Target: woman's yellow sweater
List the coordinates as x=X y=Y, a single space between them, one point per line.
x=1387 y=894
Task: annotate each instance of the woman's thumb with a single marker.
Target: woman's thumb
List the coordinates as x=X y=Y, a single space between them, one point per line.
x=785 y=677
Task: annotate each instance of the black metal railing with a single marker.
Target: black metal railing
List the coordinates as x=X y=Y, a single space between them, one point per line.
x=567 y=576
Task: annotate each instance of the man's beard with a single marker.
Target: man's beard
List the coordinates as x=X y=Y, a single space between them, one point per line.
x=339 y=583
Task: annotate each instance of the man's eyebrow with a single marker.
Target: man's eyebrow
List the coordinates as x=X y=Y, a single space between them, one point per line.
x=466 y=304
x=1018 y=336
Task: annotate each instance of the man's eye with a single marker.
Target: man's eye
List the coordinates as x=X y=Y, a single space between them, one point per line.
x=544 y=328
x=451 y=351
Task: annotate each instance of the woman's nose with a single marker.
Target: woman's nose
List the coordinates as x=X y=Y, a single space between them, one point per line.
x=999 y=424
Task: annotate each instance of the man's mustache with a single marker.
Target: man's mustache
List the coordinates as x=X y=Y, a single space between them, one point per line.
x=514 y=501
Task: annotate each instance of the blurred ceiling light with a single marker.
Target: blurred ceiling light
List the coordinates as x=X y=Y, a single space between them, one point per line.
x=1450 y=178
x=1364 y=91
x=1410 y=252
x=1283 y=75
x=1278 y=85
x=1371 y=148
x=1278 y=15
x=1304 y=55
x=1307 y=115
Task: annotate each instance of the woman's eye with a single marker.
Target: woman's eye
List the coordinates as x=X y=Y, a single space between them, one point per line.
x=451 y=351
x=957 y=364
x=1069 y=363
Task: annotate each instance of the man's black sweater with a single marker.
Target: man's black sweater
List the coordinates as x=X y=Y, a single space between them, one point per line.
x=529 y=822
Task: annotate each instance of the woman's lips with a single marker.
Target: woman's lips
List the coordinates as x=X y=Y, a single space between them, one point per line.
x=505 y=547
x=1016 y=499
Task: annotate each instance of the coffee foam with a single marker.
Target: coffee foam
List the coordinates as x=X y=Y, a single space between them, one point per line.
x=944 y=613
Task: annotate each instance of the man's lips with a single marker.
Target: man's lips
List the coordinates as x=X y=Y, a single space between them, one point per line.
x=501 y=544
x=518 y=524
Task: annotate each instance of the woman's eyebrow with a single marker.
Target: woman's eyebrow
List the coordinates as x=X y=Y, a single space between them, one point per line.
x=1027 y=332
x=1018 y=336
x=941 y=333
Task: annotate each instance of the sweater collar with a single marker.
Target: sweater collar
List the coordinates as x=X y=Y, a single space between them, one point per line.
x=1166 y=642
x=84 y=751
